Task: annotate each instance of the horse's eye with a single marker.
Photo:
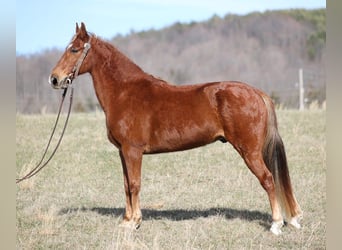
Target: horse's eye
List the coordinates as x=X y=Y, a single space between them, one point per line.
x=74 y=50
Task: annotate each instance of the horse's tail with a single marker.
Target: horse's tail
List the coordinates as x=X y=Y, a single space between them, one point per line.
x=275 y=159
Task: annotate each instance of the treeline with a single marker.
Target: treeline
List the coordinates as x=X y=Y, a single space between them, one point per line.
x=264 y=49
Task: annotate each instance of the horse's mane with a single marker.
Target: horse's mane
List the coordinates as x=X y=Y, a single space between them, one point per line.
x=112 y=49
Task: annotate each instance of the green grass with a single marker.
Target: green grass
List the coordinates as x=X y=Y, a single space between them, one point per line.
x=204 y=198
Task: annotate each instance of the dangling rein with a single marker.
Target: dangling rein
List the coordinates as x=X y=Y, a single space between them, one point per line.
x=68 y=83
x=40 y=166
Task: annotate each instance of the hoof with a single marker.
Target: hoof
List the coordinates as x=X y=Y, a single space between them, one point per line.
x=276 y=227
x=294 y=222
x=130 y=224
x=137 y=224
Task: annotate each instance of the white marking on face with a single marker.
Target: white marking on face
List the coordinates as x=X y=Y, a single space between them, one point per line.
x=71 y=43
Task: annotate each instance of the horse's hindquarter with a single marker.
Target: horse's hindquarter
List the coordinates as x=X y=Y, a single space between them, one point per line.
x=243 y=114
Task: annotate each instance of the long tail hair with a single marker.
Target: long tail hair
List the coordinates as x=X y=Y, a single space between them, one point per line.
x=274 y=156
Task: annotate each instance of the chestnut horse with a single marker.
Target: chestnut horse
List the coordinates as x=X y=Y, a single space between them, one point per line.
x=146 y=115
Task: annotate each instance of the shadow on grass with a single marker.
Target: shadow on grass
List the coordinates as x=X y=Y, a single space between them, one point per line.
x=264 y=219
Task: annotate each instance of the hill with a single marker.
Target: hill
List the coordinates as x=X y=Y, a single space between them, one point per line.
x=265 y=50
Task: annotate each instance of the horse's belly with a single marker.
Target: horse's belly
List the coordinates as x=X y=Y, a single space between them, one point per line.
x=178 y=139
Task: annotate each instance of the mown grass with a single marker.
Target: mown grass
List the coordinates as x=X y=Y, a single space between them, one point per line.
x=204 y=198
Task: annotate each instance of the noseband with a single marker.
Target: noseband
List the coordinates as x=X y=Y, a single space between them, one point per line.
x=76 y=69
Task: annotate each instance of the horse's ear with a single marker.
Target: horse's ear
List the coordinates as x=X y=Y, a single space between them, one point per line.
x=83 y=28
x=82 y=32
x=77 y=28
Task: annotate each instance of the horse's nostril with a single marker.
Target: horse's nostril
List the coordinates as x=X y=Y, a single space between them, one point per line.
x=53 y=80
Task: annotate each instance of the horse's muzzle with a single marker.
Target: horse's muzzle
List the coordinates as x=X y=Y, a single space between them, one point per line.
x=59 y=84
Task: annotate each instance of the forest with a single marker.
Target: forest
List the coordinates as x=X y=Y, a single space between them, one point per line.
x=263 y=49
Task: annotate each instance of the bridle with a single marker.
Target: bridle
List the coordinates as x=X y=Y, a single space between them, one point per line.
x=76 y=69
x=65 y=86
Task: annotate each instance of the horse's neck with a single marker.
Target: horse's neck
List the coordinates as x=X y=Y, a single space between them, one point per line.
x=112 y=73
x=111 y=65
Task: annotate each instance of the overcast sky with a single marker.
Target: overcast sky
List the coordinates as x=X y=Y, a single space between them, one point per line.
x=42 y=24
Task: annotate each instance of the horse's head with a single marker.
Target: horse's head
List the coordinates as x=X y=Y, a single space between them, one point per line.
x=74 y=61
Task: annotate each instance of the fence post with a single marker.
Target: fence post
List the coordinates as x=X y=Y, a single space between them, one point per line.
x=301 y=90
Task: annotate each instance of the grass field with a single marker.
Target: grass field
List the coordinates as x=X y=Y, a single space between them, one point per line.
x=204 y=198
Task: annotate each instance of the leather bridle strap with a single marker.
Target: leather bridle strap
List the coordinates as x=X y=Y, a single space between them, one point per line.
x=76 y=69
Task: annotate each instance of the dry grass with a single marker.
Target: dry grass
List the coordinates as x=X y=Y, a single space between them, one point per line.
x=199 y=199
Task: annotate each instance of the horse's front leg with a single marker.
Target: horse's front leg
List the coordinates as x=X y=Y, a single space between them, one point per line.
x=131 y=159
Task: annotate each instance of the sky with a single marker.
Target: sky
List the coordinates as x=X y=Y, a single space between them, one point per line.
x=42 y=24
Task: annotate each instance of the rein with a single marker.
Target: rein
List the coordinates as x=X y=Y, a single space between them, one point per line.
x=68 y=83
x=39 y=167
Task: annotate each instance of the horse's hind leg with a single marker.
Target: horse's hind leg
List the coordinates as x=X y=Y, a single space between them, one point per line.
x=256 y=164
